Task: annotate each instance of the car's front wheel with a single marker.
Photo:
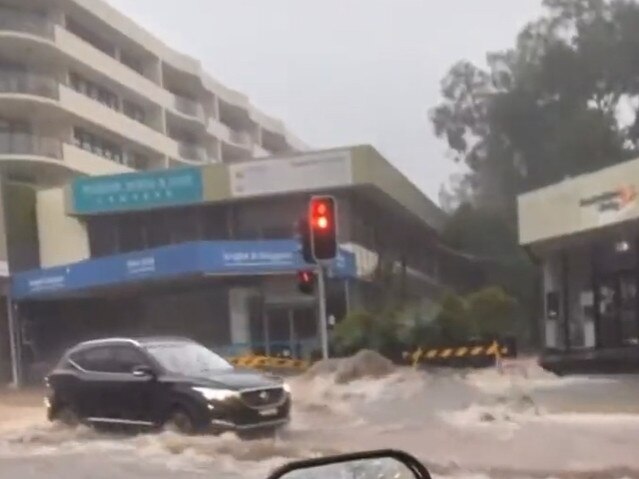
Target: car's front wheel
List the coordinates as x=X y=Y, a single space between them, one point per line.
x=180 y=421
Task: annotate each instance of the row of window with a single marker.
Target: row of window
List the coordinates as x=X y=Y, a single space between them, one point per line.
x=108 y=149
x=94 y=91
x=106 y=97
x=98 y=146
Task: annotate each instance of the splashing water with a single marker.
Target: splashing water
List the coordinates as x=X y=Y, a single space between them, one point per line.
x=531 y=425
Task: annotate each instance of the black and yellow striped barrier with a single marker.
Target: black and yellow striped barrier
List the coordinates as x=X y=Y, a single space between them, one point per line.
x=468 y=354
x=268 y=362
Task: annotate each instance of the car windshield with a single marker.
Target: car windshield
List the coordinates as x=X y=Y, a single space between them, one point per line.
x=187 y=358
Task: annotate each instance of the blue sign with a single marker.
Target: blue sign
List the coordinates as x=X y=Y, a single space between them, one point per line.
x=172 y=262
x=130 y=191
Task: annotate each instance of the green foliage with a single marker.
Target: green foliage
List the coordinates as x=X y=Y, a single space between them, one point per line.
x=353 y=332
x=493 y=311
x=488 y=312
x=454 y=321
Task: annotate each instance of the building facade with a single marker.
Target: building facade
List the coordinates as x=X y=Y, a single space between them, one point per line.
x=584 y=232
x=86 y=91
x=211 y=252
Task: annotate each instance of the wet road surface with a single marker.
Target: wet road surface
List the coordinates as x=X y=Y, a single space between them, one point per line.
x=524 y=423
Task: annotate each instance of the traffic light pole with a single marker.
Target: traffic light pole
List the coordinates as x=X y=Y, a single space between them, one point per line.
x=321 y=307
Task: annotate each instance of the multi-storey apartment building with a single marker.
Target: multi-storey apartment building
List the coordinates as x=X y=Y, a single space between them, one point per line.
x=84 y=90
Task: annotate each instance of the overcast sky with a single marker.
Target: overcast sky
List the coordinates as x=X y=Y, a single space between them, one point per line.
x=342 y=71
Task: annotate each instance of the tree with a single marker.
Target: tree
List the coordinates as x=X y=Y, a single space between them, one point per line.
x=488 y=239
x=548 y=108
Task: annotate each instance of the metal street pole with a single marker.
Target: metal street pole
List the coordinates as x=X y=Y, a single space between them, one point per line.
x=323 y=325
x=14 y=344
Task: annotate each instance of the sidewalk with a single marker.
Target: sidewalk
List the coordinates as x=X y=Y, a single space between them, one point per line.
x=19 y=408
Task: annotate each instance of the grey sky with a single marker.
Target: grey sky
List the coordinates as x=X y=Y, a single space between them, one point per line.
x=342 y=71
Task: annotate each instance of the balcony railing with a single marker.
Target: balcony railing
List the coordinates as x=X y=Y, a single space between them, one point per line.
x=12 y=81
x=241 y=138
x=189 y=151
x=188 y=106
x=31 y=145
x=14 y=20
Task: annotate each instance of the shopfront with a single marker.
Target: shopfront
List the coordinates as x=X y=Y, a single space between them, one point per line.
x=584 y=233
x=229 y=295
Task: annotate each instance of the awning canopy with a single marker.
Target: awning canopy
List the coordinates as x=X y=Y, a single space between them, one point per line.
x=204 y=258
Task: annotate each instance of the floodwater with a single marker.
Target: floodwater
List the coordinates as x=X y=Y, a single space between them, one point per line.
x=520 y=423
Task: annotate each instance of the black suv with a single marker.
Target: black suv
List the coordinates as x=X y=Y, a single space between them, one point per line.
x=155 y=382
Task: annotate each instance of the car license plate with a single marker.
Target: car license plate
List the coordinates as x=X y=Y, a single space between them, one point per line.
x=272 y=411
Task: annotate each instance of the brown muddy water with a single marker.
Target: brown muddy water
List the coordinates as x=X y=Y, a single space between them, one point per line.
x=524 y=423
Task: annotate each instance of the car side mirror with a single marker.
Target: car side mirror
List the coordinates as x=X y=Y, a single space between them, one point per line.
x=143 y=371
x=382 y=464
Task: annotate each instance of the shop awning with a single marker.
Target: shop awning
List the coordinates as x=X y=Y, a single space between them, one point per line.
x=206 y=258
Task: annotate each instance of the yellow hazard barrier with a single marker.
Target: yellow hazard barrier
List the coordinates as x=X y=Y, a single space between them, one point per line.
x=268 y=362
x=440 y=355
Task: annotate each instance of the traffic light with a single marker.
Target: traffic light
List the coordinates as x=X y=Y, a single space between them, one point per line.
x=305 y=239
x=323 y=227
x=306 y=281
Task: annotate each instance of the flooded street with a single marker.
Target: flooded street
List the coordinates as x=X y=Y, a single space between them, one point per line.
x=480 y=424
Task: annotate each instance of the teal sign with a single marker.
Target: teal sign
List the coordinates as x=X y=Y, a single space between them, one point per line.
x=130 y=191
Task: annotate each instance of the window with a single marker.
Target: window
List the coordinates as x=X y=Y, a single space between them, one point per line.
x=110 y=359
x=88 y=36
x=131 y=62
x=90 y=142
x=131 y=233
x=94 y=359
x=94 y=91
x=156 y=230
x=126 y=358
x=133 y=111
x=185 y=225
x=103 y=238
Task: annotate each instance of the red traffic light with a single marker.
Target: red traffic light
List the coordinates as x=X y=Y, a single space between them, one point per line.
x=306 y=281
x=322 y=218
x=321 y=212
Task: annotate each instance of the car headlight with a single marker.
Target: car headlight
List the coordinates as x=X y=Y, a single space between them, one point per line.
x=286 y=387
x=216 y=394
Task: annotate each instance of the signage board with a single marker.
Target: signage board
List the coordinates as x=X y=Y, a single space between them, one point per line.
x=208 y=258
x=610 y=206
x=297 y=173
x=132 y=191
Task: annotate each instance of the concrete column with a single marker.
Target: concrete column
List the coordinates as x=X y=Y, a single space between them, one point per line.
x=239 y=315
x=552 y=283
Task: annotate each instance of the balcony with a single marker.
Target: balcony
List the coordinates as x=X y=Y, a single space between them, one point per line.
x=192 y=152
x=26 y=144
x=260 y=152
x=13 y=81
x=118 y=123
x=108 y=66
x=241 y=138
x=14 y=20
x=188 y=107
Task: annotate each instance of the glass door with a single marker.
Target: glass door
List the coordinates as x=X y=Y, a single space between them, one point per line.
x=608 y=331
x=618 y=320
x=627 y=286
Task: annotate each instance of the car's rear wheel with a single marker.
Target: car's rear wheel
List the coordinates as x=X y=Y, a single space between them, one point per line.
x=180 y=421
x=67 y=416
